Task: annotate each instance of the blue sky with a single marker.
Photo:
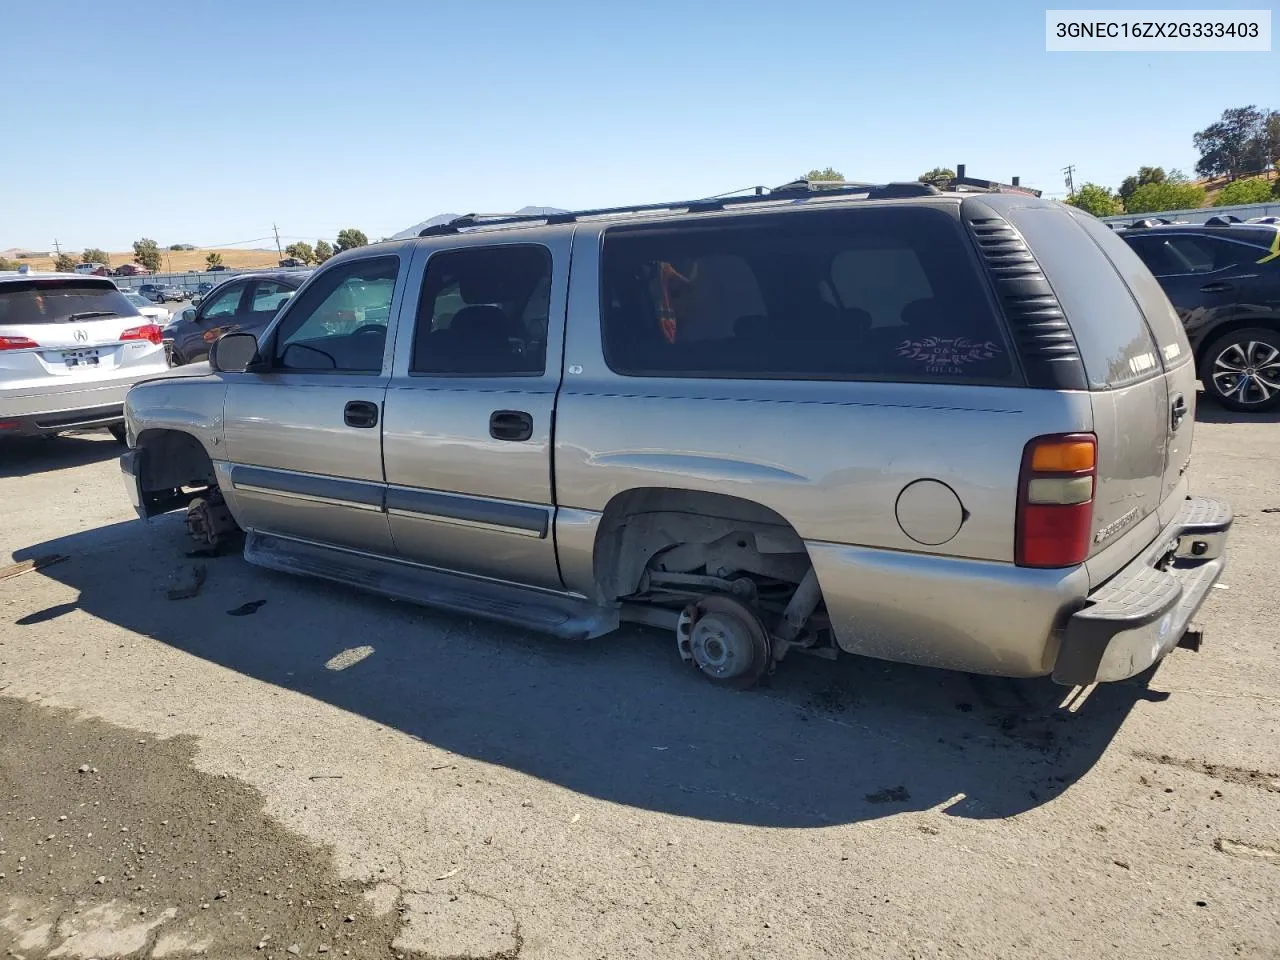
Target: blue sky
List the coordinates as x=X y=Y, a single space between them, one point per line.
x=207 y=123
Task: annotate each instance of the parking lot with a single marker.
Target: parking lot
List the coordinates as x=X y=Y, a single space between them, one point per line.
x=278 y=767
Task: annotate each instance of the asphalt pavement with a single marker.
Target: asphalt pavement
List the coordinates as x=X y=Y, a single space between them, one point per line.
x=278 y=767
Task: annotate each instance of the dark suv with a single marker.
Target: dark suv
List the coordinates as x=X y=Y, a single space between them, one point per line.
x=245 y=304
x=1224 y=280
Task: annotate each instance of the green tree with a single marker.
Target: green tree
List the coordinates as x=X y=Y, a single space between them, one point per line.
x=938 y=176
x=1243 y=140
x=301 y=251
x=214 y=259
x=828 y=174
x=323 y=251
x=349 y=239
x=94 y=255
x=64 y=263
x=1144 y=176
x=1247 y=190
x=147 y=253
x=1097 y=200
x=1157 y=197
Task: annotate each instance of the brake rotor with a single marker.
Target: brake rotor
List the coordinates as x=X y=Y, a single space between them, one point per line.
x=725 y=640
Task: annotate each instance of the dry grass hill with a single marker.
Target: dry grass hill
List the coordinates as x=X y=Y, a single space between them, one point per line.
x=176 y=261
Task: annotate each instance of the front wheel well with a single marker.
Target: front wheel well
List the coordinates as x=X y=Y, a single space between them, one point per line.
x=174 y=459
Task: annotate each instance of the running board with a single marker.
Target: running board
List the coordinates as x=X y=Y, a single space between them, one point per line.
x=561 y=615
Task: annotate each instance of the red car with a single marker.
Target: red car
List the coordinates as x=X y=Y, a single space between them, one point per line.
x=131 y=270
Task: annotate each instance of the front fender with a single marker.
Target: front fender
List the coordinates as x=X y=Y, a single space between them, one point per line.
x=189 y=402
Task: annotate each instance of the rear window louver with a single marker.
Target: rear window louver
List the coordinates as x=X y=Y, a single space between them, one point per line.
x=1040 y=330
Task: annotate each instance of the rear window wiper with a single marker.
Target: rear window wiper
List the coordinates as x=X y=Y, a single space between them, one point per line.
x=91 y=313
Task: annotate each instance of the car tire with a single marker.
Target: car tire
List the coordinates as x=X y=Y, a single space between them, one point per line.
x=1241 y=370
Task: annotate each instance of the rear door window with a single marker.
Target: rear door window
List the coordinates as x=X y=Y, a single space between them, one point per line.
x=484 y=312
x=887 y=293
x=268 y=296
x=1197 y=254
x=1110 y=330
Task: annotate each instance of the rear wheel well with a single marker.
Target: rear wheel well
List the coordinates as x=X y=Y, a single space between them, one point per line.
x=722 y=534
x=174 y=459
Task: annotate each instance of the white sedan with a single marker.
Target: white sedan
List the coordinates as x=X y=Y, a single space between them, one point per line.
x=152 y=311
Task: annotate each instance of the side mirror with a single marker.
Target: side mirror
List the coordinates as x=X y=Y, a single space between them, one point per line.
x=189 y=314
x=233 y=352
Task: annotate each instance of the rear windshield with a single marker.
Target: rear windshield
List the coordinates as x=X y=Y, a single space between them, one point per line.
x=60 y=301
x=887 y=293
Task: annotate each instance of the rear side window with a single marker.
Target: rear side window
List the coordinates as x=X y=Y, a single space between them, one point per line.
x=1162 y=319
x=25 y=302
x=1110 y=330
x=888 y=293
x=1188 y=254
x=484 y=312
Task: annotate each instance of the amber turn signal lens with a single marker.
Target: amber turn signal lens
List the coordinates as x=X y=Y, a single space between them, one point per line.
x=1062 y=456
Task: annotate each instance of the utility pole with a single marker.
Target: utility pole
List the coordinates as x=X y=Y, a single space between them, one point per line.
x=1070 y=170
x=279 y=252
x=57 y=249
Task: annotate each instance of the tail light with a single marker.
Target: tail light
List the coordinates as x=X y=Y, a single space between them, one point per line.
x=17 y=343
x=148 y=331
x=1055 y=500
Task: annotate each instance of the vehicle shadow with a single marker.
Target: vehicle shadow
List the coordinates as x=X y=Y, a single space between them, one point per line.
x=1209 y=412
x=23 y=456
x=620 y=717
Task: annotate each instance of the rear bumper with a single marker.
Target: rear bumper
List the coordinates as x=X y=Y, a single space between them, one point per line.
x=1140 y=614
x=40 y=424
x=66 y=406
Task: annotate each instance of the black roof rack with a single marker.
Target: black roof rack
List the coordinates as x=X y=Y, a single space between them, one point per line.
x=796 y=189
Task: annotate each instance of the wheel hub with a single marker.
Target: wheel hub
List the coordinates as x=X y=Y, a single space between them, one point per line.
x=721 y=646
x=724 y=638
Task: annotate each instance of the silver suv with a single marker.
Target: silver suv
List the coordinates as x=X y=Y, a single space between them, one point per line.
x=71 y=346
x=948 y=428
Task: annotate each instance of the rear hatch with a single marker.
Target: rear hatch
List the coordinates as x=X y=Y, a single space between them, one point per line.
x=1174 y=354
x=1138 y=370
x=63 y=330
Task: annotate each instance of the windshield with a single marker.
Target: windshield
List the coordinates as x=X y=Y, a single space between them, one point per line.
x=60 y=300
x=138 y=301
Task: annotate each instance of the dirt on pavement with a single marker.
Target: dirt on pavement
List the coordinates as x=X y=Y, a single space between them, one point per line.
x=133 y=851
